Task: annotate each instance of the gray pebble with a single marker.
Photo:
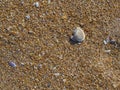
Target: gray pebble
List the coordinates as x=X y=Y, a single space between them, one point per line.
x=78 y=35
x=12 y=64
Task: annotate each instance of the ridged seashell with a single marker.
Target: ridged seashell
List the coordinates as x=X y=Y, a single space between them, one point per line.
x=78 y=35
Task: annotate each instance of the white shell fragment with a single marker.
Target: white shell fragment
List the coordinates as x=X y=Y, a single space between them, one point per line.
x=78 y=35
x=36 y=4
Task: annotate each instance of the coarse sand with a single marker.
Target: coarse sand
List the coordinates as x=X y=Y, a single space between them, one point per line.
x=36 y=40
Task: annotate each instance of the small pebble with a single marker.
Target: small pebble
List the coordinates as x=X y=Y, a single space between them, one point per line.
x=31 y=32
x=40 y=66
x=22 y=64
x=12 y=64
x=28 y=17
x=36 y=4
x=35 y=87
x=57 y=74
x=116 y=84
x=64 y=80
x=64 y=88
x=54 y=68
x=105 y=42
x=22 y=2
x=78 y=35
x=49 y=1
x=48 y=84
x=107 y=51
x=35 y=67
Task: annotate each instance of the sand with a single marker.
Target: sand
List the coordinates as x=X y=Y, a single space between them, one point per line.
x=36 y=39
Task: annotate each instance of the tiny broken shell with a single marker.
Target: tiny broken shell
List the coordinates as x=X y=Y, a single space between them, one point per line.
x=78 y=35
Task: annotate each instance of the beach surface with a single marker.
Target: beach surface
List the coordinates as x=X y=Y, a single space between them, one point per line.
x=35 y=48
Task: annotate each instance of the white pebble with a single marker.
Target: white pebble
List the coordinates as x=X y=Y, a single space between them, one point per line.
x=107 y=51
x=78 y=35
x=105 y=42
x=40 y=66
x=36 y=4
x=54 y=68
x=22 y=64
x=64 y=80
x=35 y=67
x=28 y=17
x=57 y=74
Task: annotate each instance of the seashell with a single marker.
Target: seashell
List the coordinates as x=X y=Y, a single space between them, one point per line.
x=78 y=35
x=12 y=64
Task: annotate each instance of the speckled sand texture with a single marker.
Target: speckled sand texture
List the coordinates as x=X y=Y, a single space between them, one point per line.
x=37 y=40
